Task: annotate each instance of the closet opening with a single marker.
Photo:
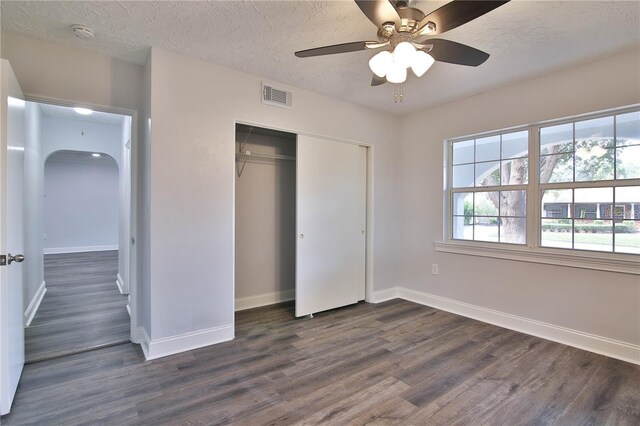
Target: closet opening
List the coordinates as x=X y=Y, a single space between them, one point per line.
x=265 y=221
x=302 y=224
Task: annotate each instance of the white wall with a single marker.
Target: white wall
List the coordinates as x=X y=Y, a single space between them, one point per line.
x=63 y=72
x=75 y=135
x=80 y=205
x=193 y=108
x=266 y=220
x=600 y=303
x=33 y=184
x=63 y=134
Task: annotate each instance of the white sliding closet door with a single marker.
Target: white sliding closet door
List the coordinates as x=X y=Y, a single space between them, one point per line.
x=331 y=214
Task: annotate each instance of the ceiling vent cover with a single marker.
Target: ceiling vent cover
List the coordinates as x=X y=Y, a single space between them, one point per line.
x=276 y=97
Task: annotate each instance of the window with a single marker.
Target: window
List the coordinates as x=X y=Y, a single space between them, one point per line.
x=584 y=184
x=589 y=168
x=489 y=180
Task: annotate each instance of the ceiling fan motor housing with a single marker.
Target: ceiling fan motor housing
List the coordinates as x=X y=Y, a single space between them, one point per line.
x=410 y=19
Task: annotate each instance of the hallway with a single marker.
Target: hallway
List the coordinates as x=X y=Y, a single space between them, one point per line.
x=82 y=308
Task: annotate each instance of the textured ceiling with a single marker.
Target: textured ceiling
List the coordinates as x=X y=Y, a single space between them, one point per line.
x=524 y=38
x=71 y=114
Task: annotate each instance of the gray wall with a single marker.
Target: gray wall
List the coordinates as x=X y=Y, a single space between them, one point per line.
x=192 y=183
x=59 y=134
x=81 y=204
x=595 y=302
x=266 y=220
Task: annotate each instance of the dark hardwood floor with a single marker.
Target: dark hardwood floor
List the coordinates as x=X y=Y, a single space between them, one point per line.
x=391 y=363
x=82 y=308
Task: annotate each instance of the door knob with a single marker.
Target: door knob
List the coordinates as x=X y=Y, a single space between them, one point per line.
x=17 y=258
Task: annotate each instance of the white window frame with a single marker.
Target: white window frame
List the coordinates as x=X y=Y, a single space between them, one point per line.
x=533 y=251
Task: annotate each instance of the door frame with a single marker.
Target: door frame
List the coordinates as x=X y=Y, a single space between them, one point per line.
x=131 y=225
x=369 y=293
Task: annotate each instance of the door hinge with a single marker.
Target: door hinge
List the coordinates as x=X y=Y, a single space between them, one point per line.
x=3 y=260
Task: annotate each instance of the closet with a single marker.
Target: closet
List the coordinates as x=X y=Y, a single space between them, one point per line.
x=300 y=220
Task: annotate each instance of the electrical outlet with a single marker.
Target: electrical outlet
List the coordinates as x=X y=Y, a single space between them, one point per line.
x=44 y=236
x=434 y=269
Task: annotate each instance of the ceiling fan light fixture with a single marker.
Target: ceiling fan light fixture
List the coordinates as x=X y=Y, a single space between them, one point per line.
x=397 y=73
x=422 y=61
x=404 y=53
x=83 y=111
x=381 y=63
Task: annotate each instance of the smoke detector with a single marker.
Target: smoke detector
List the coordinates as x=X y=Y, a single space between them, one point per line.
x=82 y=31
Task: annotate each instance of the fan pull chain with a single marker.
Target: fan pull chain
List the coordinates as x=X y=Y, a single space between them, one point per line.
x=399 y=96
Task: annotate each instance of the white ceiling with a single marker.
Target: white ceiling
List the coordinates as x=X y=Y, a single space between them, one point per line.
x=69 y=113
x=524 y=38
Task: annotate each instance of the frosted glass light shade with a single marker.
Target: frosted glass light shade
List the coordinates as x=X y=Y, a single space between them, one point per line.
x=381 y=63
x=404 y=53
x=422 y=61
x=397 y=73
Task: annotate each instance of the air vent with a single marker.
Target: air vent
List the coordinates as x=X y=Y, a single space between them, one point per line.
x=276 y=97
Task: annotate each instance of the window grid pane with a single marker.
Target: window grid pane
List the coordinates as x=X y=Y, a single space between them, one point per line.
x=581 y=216
x=493 y=216
x=498 y=161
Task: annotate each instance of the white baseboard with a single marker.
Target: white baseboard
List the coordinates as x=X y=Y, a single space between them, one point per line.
x=589 y=342
x=60 y=250
x=166 y=346
x=384 y=295
x=243 y=303
x=120 y=284
x=34 y=304
x=142 y=337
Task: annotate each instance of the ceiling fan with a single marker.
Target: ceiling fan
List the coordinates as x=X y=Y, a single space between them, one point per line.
x=404 y=32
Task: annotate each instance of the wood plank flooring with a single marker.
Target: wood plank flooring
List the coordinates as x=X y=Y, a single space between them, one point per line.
x=82 y=308
x=391 y=363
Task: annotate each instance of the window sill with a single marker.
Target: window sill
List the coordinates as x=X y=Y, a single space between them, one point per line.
x=621 y=263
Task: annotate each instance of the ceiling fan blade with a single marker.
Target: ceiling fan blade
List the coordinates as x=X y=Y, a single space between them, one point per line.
x=377 y=81
x=455 y=53
x=379 y=12
x=458 y=12
x=330 y=50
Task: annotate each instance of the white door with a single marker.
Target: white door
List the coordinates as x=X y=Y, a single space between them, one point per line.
x=330 y=224
x=11 y=236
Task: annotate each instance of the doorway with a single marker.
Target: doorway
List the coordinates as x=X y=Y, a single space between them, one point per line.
x=302 y=221
x=78 y=232
x=265 y=206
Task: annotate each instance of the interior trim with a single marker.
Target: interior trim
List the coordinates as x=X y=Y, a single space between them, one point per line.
x=31 y=310
x=622 y=263
x=250 y=302
x=590 y=342
x=83 y=249
x=166 y=346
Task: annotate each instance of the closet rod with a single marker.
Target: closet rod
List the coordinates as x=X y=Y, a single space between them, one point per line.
x=251 y=154
x=259 y=158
